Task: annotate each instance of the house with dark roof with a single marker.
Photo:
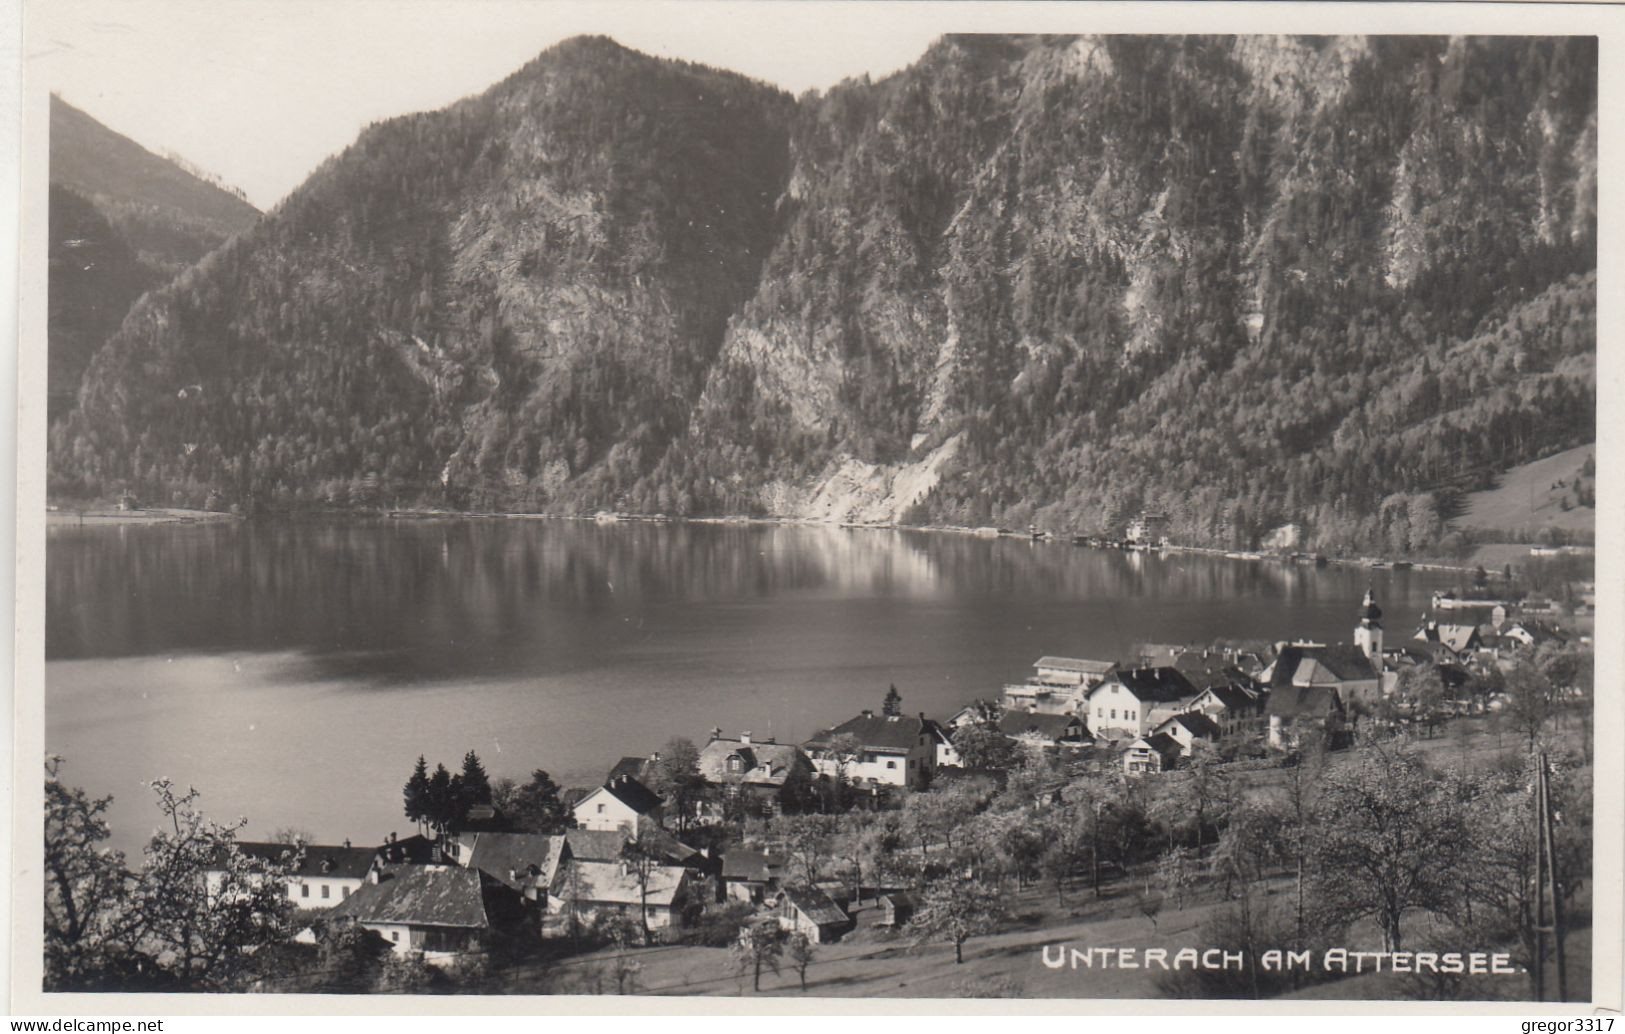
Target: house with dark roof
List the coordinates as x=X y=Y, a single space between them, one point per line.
x=1235 y=711
x=1044 y=731
x=1207 y=669
x=1296 y=712
x=416 y=849
x=751 y=771
x=1342 y=667
x=810 y=911
x=524 y=862
x=321 y=876
x=1133 y=700
x=619 y=804
x=443 y=912
x=1460 y=639
x=1188 y=729
x=879 y=750
x=1153 y=754
x=752 y=875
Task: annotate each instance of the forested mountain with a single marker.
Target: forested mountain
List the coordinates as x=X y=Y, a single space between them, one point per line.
x=1245 y=281
x=122 y=220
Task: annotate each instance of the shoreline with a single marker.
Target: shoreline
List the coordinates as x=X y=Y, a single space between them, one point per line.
x=60 y=517
x=111 y=517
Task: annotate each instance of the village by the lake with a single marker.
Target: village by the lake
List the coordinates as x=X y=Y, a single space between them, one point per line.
x=1397 y=792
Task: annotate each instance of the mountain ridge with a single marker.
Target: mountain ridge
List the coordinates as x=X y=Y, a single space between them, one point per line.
x=989 y=278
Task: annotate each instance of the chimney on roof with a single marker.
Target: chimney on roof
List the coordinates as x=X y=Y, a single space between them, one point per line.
x=716 y=732
x=655 y=758
x=868 y=713
x=392 y=836
x=346 y=841
x=744 y=737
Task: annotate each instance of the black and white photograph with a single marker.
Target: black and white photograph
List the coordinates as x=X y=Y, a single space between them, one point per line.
x=813 y=501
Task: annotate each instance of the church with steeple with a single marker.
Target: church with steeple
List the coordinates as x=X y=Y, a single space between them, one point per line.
x=1368 y=633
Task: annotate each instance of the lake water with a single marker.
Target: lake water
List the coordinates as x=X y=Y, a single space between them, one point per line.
x=293 y=672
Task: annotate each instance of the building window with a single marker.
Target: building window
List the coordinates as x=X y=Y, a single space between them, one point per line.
x=891 y=764
x=344 y=892
x=304 y=890
x=601 y=809
x=1114 y=714
x=395 y=935
x=327 y=892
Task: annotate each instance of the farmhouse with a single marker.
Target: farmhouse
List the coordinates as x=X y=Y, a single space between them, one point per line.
x=751 y=875
x=442 y=911
x=585 y=890
x=523 y=862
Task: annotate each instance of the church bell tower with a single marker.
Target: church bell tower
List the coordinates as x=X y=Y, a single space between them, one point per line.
x=1368 y=634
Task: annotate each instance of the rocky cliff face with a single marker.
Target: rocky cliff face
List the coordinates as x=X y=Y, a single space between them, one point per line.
x=1028 y=277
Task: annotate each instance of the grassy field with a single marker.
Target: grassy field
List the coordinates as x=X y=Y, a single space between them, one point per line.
x=1525 y=501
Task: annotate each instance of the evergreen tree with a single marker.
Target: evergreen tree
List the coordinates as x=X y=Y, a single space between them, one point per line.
x=892 y=706
x=440 y=802
x=416 y=793
x=476 y=785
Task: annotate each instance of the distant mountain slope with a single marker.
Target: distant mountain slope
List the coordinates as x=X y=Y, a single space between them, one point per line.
x=122 y=220
x=1556 y=492
x=1053 y=279
x=94 y=278
x=169 y=215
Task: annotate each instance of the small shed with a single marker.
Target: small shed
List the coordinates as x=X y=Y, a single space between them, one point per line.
x=897 y=908
x=810 y=911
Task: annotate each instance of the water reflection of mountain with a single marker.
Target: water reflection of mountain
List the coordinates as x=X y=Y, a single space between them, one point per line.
x=433 y=599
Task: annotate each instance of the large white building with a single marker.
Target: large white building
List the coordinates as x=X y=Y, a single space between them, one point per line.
x=883 y=750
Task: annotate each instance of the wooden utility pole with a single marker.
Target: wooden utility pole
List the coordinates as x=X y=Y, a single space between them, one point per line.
x=1547 y=887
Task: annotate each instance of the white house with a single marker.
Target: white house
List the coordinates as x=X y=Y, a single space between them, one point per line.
x=321 y=875
x=618 y=805
x=1133 y=700
x=1150 y=754
x=883 y=750
x=1188 y=729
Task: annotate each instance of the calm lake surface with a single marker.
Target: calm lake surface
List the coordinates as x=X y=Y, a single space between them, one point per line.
x=293 y=672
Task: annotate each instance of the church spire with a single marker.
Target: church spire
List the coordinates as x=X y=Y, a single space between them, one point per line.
x=1370 y=613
